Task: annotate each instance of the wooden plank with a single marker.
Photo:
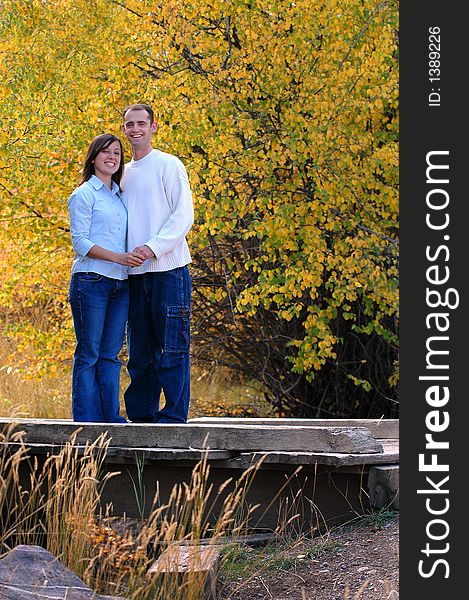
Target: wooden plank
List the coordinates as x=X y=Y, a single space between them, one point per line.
x=308 y=458
x=252 y=539
x=202 y=436
x=186 y=561
x=231 y=459
x=116 y=452
x=186 y=558
x=390 y=445
x=155 y=454
x=379 y=428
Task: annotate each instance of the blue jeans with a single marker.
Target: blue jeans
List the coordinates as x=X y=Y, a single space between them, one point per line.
x=158 y=341
x=100 y=307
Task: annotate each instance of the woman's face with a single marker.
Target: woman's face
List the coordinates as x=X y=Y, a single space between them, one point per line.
x=107 y=161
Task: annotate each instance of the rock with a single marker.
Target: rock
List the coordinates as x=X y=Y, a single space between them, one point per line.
x=33 y=573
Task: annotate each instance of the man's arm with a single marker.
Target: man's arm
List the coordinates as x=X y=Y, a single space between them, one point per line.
x=182 y=217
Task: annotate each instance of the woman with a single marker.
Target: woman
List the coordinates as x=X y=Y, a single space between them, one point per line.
x=99 y=295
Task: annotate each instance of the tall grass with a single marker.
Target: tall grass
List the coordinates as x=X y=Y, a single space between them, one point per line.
x=55 y=503
x=51 y=502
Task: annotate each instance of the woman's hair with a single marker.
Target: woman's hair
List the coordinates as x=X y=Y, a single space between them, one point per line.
x=97 y=145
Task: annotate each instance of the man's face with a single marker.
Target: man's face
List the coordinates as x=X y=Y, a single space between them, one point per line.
x=137 y=128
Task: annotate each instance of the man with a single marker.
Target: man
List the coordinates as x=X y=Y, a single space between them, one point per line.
x=157 y=194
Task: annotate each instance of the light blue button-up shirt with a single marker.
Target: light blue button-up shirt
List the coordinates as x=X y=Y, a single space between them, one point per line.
x=97 y=216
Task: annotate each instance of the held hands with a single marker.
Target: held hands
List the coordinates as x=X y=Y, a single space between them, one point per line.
x=145 y=251
x=132 y=259
x=126 y=259
x=137 y=257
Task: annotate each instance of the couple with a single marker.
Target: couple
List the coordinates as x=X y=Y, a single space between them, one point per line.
x=128 y=226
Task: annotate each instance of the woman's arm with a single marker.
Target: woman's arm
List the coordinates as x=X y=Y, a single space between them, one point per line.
x=128 y=259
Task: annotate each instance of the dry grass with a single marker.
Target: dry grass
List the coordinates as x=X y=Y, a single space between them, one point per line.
x=215 y=391
x=51 y=503
x=22 y=395
x=218 y=391
x=58 y=507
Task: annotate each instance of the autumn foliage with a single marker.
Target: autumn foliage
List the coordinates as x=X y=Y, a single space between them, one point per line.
x=286 y=117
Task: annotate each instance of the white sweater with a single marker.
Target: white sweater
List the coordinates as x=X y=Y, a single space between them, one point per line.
x=156 y=192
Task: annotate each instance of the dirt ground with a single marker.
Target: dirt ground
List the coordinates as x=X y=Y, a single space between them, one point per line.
x=359 y=561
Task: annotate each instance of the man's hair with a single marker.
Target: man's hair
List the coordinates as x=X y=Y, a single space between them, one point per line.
x=145 y=107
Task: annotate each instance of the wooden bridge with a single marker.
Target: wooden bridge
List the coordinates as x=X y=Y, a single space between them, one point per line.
x=328 y=471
